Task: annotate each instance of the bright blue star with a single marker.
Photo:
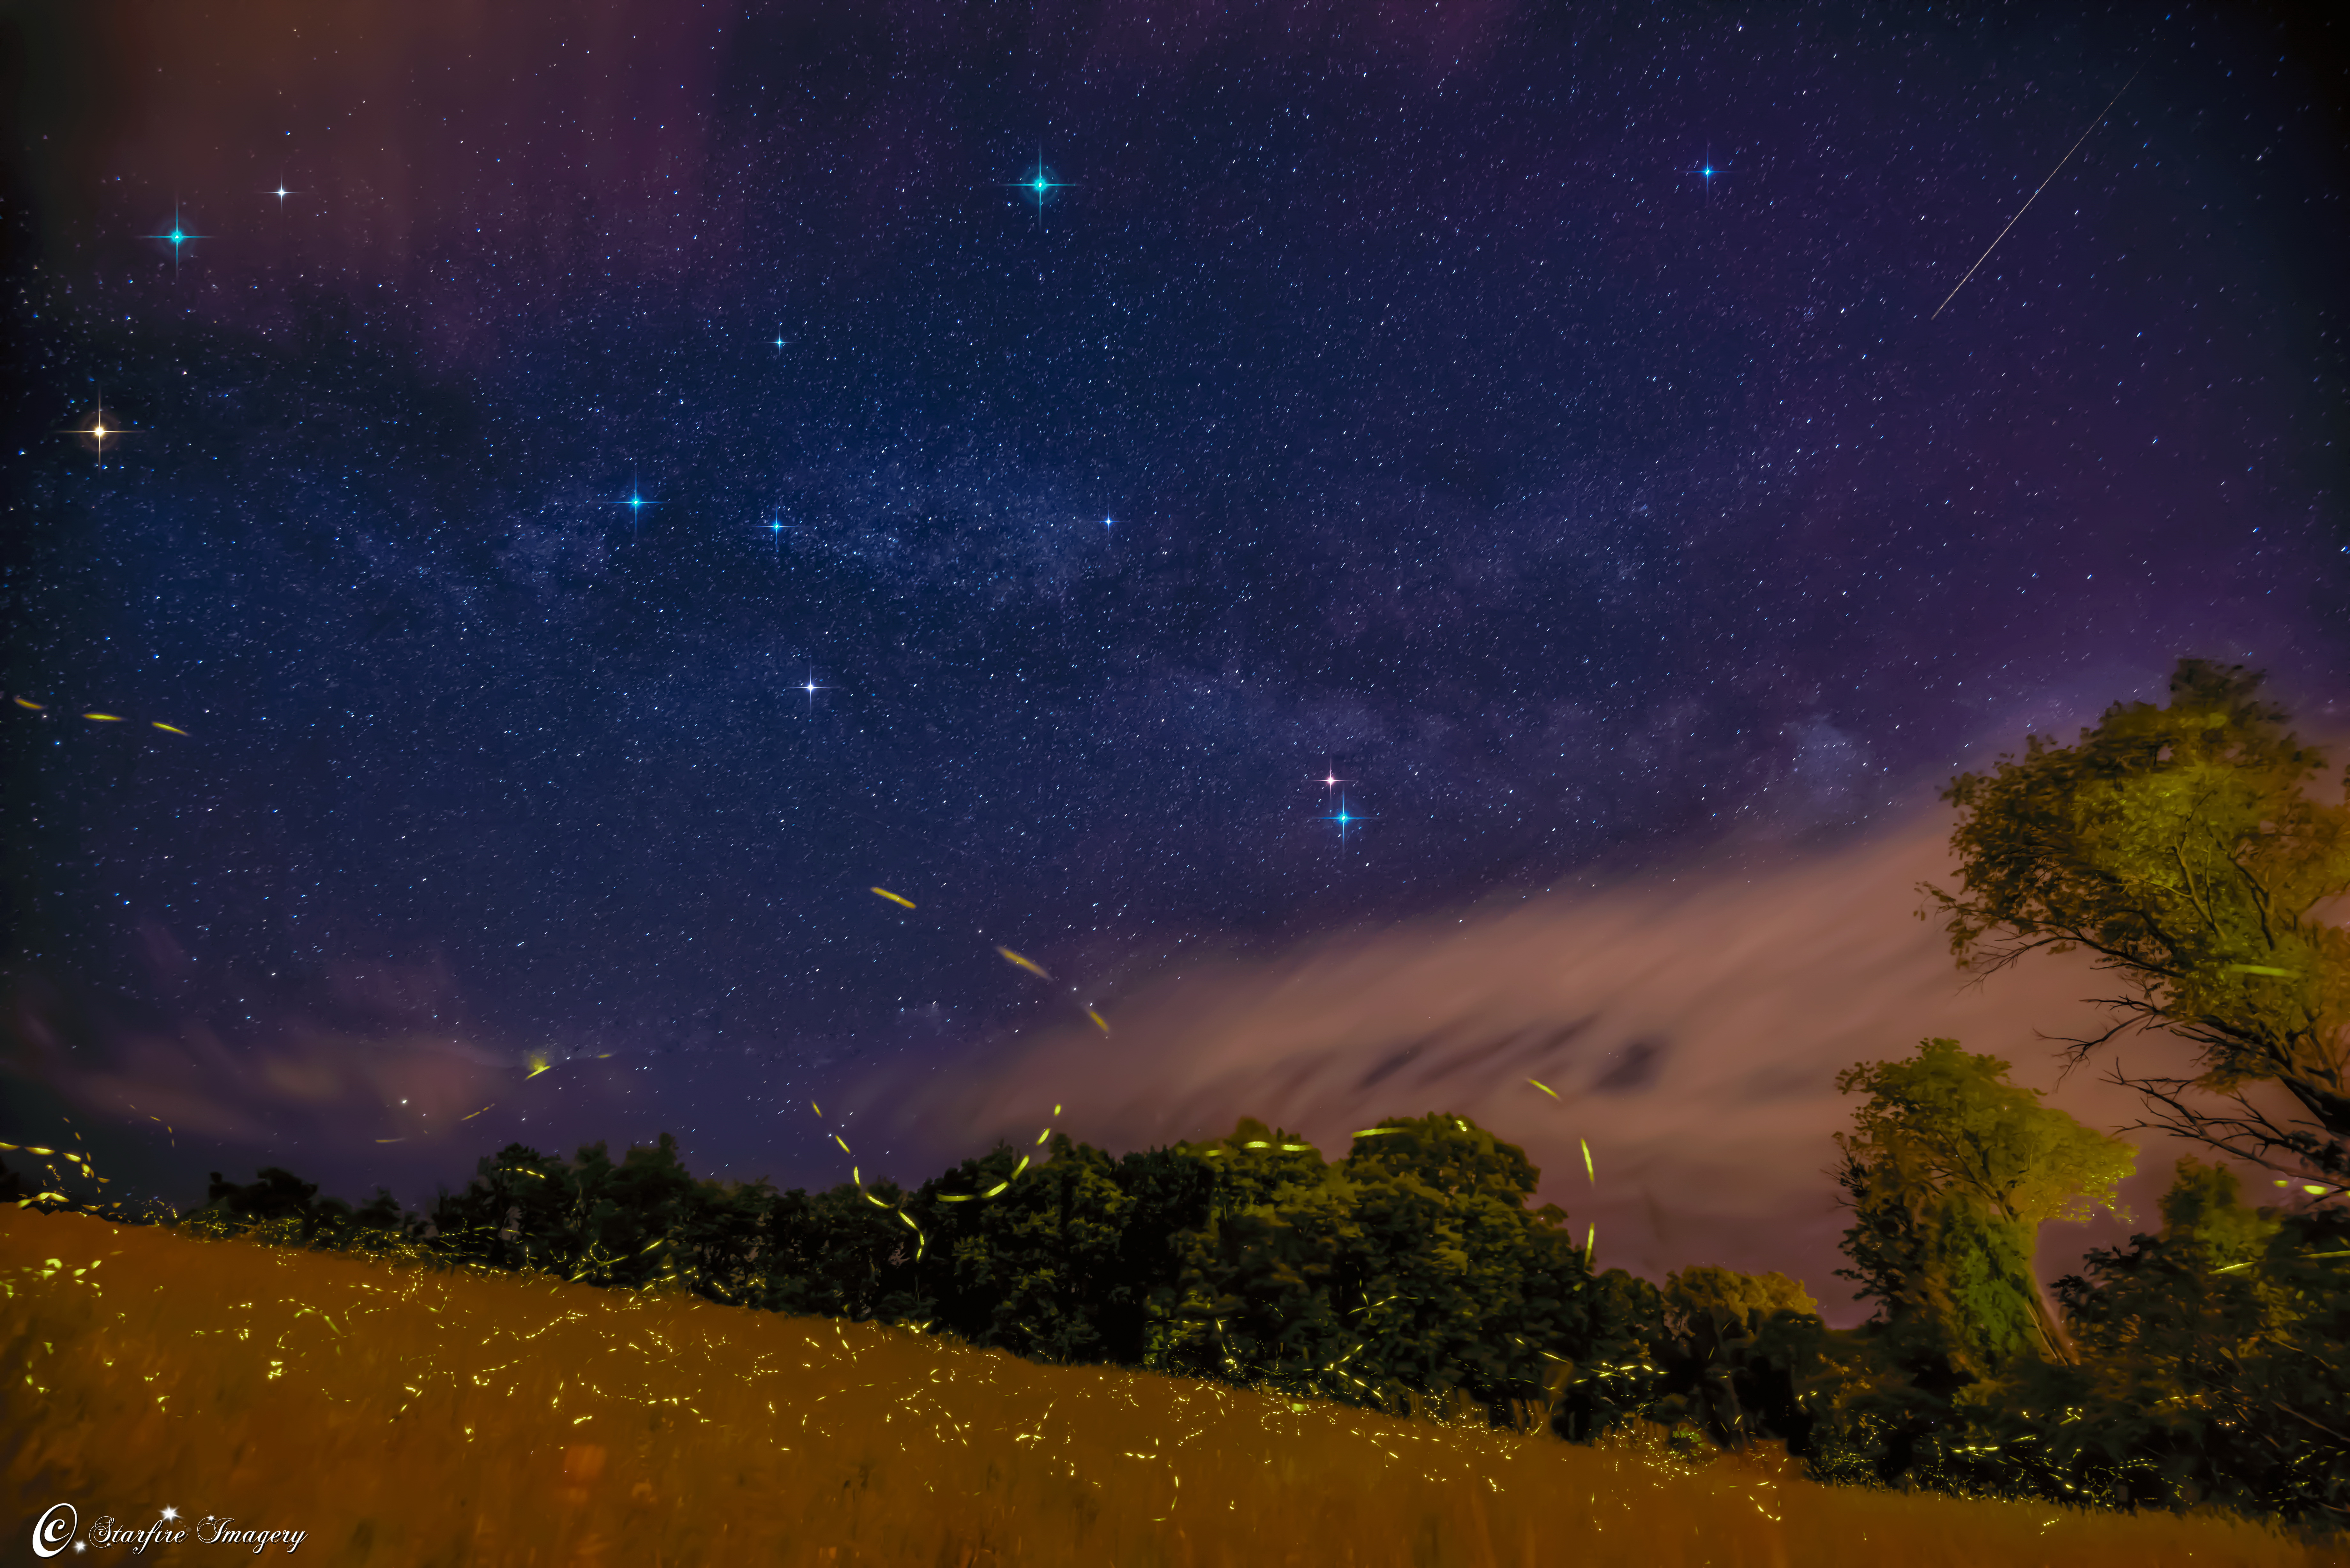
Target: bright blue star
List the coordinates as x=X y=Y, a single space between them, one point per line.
x=1343 y=819
x=1039 y=186
x=178 y=236
x=636 y=501
x=1707 y=169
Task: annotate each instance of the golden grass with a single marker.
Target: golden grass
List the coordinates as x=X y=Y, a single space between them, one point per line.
x=405 y=1416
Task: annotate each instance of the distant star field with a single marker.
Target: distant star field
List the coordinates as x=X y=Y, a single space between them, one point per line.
x=1172 y=493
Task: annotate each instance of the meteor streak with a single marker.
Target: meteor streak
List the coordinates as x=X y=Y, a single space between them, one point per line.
x=2034 y=196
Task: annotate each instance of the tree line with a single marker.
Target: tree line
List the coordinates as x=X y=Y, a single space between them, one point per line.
x=2200 y=1363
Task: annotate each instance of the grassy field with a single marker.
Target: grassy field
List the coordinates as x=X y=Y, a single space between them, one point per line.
x=403 y=1417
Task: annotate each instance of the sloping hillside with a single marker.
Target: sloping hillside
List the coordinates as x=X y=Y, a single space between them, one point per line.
x=397 y=1416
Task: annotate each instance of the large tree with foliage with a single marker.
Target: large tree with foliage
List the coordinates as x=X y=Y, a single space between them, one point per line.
x=1952 y=1170
x=2184 y=846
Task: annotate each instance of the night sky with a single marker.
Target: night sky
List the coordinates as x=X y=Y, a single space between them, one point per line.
x=1173 y=491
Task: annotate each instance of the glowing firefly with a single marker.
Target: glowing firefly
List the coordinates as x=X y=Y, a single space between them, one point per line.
x=893 y=897
x=1031 y=965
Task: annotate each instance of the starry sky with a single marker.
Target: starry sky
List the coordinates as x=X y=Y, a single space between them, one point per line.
x=1170 y=490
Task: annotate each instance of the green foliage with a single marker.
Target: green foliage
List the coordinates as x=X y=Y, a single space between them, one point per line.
x=1952 y=1171
x=1269 y=1277
x=1726 y=1297
x=1411 y=1271
x=2211 y=1364
x=2181 y=845
x=1041 y=1270
x=1731 y=1354
x=289 y=1210
x=1415 y=1272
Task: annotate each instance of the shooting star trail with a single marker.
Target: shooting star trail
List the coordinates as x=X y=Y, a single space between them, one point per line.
x=2033 y=197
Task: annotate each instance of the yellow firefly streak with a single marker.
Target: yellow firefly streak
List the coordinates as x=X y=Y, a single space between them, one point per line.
x=1100 y=1021
x=816 y=1109
x=1374 y=1132
x=467 y=1118
x=1590 y=1240
x=104 y=718
x=391 y=1140
x=536 y=1068
x=893 y=897
x=28 y=702
x=1587 y=1171
x=161 y=725
x=843 y=1143
x=2263 y=969
x=1031 y=965
x=1546 y=1088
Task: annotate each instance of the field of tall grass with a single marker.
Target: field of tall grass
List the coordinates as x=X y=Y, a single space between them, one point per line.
x=402 y=1416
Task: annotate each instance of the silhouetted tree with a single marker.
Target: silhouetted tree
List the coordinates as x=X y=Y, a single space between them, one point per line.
x=1733 y=1355
x=2211 y=1366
